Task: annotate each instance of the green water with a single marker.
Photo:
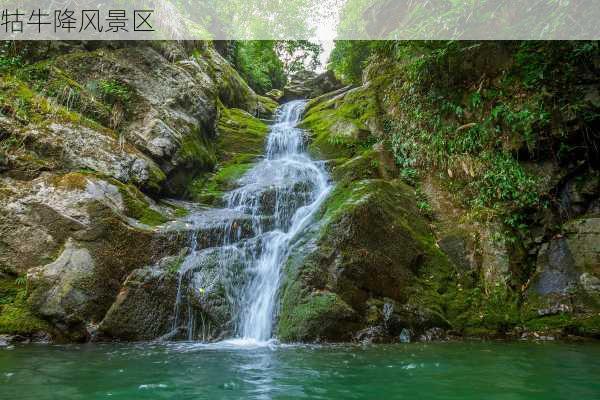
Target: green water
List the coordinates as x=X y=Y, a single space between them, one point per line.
x=415 y=371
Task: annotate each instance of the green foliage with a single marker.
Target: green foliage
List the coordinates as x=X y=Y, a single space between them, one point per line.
x=259 y=64
x=478 y=125
x=505 y=181
x=348 y=59
x=8 y=59
x=298 y=55
x=457 y=19
x=423 y=204
x=113 y=91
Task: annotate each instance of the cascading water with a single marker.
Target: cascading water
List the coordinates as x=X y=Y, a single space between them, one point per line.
x=238 y=271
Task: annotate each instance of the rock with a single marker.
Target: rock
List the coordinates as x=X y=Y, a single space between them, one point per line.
x=82 y=244
x=50 y=209
x=583 y=238
x=571 y=259
x=590 y=283
x=5 y=340
x=372 y=334
x=578 y=195
x=555 y=309
x=307 y=84
x=144 y=308
x=433 y=334
x=66 y=274
x=3 y=163
x=371 y=244
x=274 y=94
x=161 y=97
x=556 y=271
x=405 y=336
x=456 y=247
x=536 y=336
x=336 y=129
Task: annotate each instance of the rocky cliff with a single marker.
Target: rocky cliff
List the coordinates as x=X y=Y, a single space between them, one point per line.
x=94 y=138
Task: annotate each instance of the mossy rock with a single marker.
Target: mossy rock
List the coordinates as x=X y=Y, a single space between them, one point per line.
x=210 y=190
x=25 y=105
x=316 y=316
x=341 y=126
x=370 y=246
x=239 y=133
x=143 y=309
x=241 y=140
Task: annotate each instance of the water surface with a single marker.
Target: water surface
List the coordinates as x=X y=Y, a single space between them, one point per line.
x=229 y=371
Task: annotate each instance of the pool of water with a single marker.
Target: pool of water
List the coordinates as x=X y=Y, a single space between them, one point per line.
x=472 y=370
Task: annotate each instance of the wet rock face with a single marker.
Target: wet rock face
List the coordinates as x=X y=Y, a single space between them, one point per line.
x=308 y=85
x=557 y=272
x=583 y=237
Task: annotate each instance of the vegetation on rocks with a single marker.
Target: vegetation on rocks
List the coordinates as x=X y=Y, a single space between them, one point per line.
x=493 y=137
x=240 y=141
x=87 y=133
x=16 y=317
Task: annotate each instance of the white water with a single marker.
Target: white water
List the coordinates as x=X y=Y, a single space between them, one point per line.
x=275 y=201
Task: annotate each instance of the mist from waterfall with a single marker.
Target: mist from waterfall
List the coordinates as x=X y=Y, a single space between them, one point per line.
x=274 y=202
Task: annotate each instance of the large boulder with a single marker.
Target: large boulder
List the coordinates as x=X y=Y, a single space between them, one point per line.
x=571 y=260
x=84 y=235
x=144 y=309
x=368 y=250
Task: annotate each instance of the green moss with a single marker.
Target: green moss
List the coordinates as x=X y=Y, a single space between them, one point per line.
x=584 y=325
x=267 y=105
x=156 y=178
x=364 y=166
x=196 y=151
x=317 y=315
x=52 y=82
x=551 y=323
x=137 y=207
x=181 y=212
x=241 y=141
x=174 y=265
x=16 y=318
x=240 y=133
x=19 y=101
x=339 y=126
x=209 y=190
x=589 y=325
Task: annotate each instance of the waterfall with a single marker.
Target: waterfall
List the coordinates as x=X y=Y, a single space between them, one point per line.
x=237 y=253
